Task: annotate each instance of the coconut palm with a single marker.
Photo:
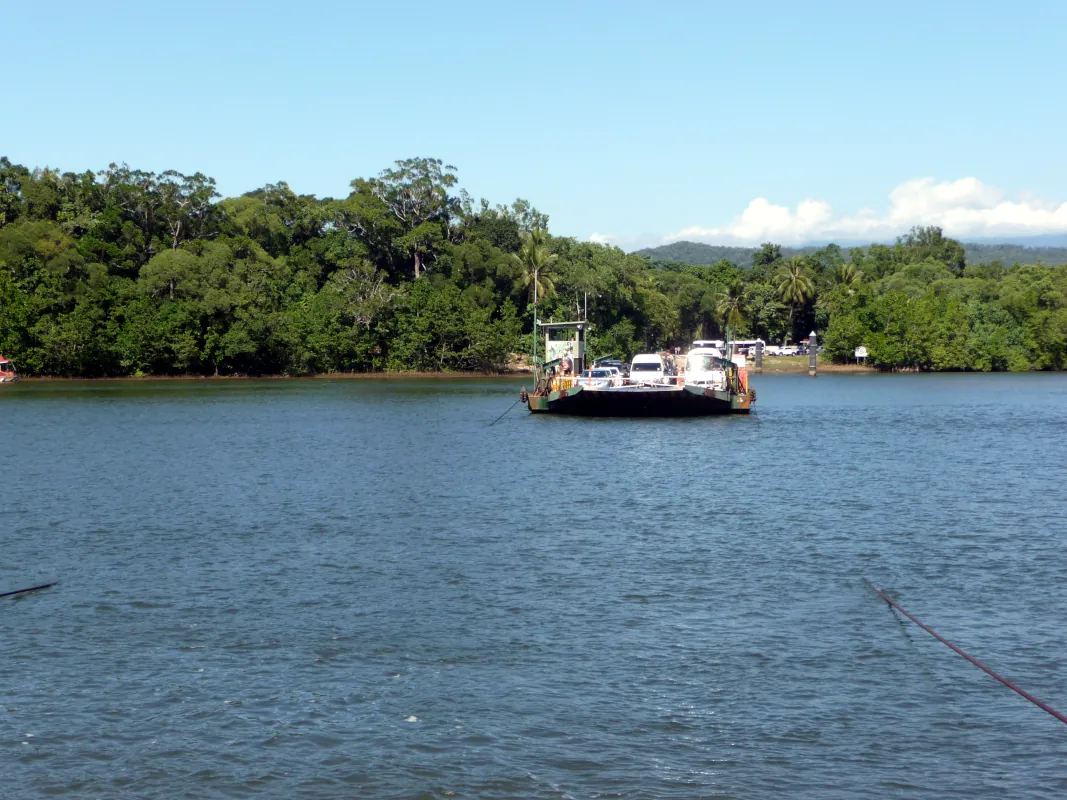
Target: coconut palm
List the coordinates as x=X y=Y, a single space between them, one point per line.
x=730 y=306
x=535 y=263
x=848 y=276
x=793 y=285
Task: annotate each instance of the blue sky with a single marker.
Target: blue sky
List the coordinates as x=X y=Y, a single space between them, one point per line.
x=631 y=122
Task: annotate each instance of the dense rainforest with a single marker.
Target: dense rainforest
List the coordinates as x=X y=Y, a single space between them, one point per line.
x=126 y=272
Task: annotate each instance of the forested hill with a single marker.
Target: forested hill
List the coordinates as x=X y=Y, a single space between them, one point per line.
x=697 y=253
x=124 y=272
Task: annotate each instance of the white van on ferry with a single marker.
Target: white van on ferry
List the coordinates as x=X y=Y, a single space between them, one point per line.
x=704 y=367
x=647 y=368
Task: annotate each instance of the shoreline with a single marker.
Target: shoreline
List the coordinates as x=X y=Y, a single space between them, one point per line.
x=787 y=365
x=781 y=365
x=333 y=376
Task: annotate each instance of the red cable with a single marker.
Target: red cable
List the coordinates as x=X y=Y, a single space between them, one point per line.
x=975 y=661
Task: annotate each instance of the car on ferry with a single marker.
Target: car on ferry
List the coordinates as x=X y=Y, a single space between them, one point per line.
x=609 y=361
x=647 y=368
x=705 y=366
x=596 y=378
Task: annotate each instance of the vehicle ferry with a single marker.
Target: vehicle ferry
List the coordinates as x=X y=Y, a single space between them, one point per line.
x=708 y=384
x=7 y=371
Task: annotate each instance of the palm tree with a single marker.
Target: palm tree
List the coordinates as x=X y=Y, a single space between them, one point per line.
x=848 y=276
x=730 y=306
x=793 y=285
x=534 y=262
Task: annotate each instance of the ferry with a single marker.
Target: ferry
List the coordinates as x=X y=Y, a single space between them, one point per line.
x=7 y=371
x=709 y=384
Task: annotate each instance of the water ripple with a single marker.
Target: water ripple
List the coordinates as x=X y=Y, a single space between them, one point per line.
x=316 y=590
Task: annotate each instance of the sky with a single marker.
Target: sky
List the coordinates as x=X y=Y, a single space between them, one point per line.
x=633 y=123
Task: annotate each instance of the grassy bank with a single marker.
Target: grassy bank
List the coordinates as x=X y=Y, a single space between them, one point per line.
x=783 y=364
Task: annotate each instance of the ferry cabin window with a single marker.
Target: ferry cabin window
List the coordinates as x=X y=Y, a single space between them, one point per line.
x=703 y=363
x=645 y=367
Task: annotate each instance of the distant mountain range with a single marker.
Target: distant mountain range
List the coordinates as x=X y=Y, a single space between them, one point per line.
x=977 y=252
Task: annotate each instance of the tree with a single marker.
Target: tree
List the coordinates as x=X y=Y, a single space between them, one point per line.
x=527 y=217
x=793 y=285
x=535 y=263
x=848 y=277
x=730 y=306
x=416 y=192
x=371 y=225
x=921 y=243
x=768 y=255
x=12 y=176
x=184 y=203
x=365 y=293
x=421 y=242
x=168 y=271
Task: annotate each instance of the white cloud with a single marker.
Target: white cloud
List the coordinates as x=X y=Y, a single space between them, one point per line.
x=601 y=238
x=963 y=208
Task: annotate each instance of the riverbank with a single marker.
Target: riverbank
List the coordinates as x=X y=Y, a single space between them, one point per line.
x=784 y=364
x=771 y=365
x=333 y=376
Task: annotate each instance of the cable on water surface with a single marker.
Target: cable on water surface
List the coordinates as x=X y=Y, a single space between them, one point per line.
x=1022 y=692
x=495 y=421
x=29 y=589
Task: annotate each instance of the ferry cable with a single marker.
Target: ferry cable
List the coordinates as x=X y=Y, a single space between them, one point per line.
x=30 y=589
x=1043 y=706
x=495 y=421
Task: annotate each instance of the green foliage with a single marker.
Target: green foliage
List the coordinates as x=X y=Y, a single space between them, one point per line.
x=929 y=243
x=534 y=264
x=697 y=254
x=848 y=277
x=794 y=284
x=730 y=306
x=127 y=272
x=438 y=327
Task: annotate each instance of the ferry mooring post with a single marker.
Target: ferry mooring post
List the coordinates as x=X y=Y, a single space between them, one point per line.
x=759 y=357
x=813 y=354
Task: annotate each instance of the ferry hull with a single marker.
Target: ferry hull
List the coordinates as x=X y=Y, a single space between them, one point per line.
x=641 y=401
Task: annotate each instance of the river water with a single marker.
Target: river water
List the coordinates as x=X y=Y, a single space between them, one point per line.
x=314 y=589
